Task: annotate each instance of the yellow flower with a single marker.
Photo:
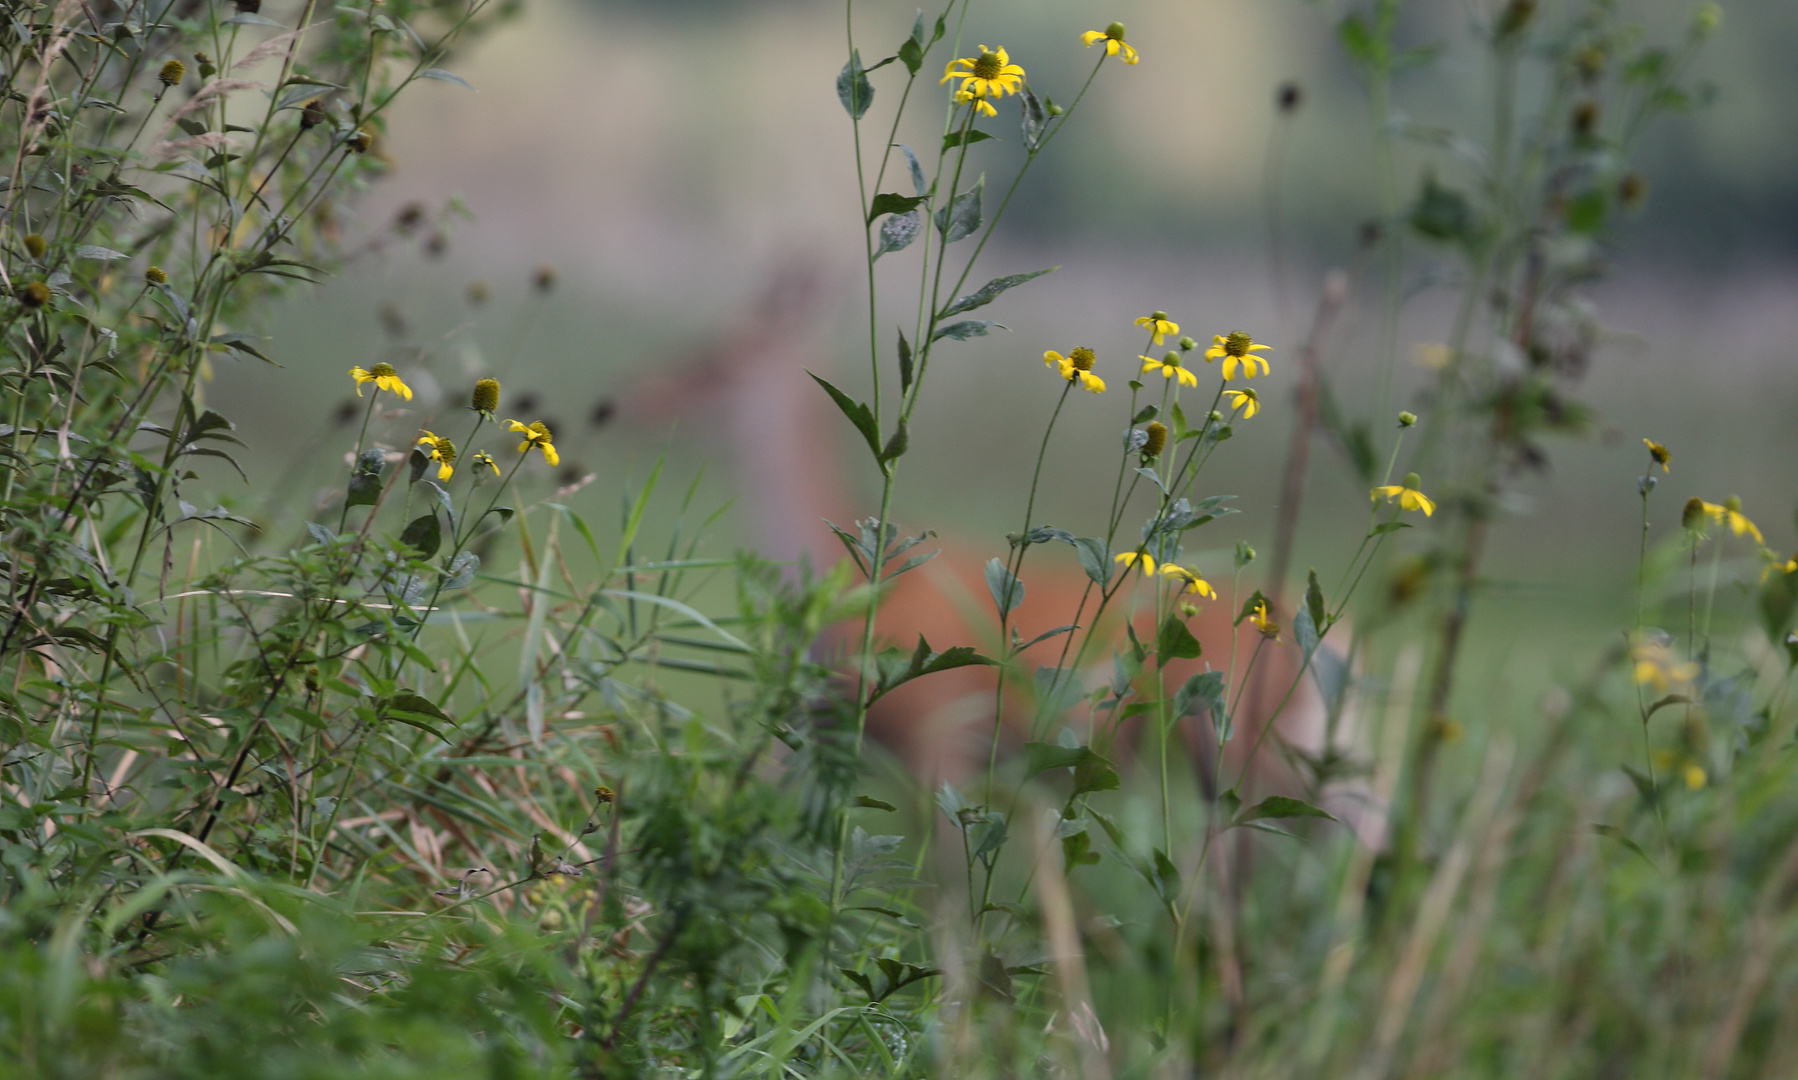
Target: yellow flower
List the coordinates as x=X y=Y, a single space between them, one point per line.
x=1237 y=348
x=1246 y=400
x=981 y=104
x=1731 y=514
x=1169 y=367
x=1076 y=365
x=1156 y=322
x=1409 y=498
x=537 y=434
x=1655 y=666
x=1774 y=566
x=443 y=452
x=483 y=458
x=1193 y=582
x=1659 y=453
x=384 y=378
x=1135 y=558
x=989 y=75
x=1689 y=770
x=1269 y=629
x=1113 y=37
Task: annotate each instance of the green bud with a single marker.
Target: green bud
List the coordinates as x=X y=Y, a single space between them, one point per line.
x=1407 y=419
x=1187 y=344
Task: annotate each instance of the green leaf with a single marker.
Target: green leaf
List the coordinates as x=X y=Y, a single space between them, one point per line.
x=413 y=702
x=364 y=490
x=1280 y=806
x=1095 y=558
x=967 y=328
x=423 y=533
x=1144 y=414
x=1041 y=756
x=962 y=216
x=461 y=570
x=911 y=52
x=896 y=446
x=1167 y=878
x=897 y=232
x=859 y=414
x=1314 y=602
x=1254 y=601
x=853 y=88
x=904 y=363
x=1175 y=642
x=896 y=669
x=871 y=803
x=956 y=138
x=888 y=202
x=1442 y=213
x=446 y=76
x=916 y=168
x=1007 y=590
x=986 y=294
x=1076 y=849
x=94 y=251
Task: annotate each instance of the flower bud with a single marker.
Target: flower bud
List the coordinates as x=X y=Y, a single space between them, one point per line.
x=1187 y=344
x=207 y=68
x=1157 y=439
x=1706 y=19
x=485 y=398
x=1733 y=504
x=1055 y=110
x=171 y=73
x=1646 y=484
x=1189 y=610
x=1407 y=419
x=1692 y=517
x=156 y=275
x=36 y=245
x=1214 y=416
x=1244 y=554
x=34 y=295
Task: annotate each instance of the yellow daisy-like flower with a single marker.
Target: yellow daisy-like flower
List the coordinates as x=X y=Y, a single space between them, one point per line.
x=1193 y=582
x=1115 y=45
x=1730 y=513
x=981 y=104
x=1136 y=558
x=384 y=378
x=1259 y=620
x=1409 y=498
x=483 y=459
x=1157 y=323
x=1076 y=365
x=989 y=75
x=1659 y=453
x=1656 y=666
x=1169 y=367
x=1774 y=566
x=1237 y=348
x=443 y=451
x=1245 y=399
x=536 y=434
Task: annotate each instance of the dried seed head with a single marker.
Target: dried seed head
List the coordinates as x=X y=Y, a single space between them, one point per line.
x=544 y=280
x=1157 y=442
x=36 y=245
x=1632 y=190
x=1585 y=119
x=1291 y=95
x=34 y=295
x=485 y=398
x=156 y=275
x=171 y=73
x=312 y=114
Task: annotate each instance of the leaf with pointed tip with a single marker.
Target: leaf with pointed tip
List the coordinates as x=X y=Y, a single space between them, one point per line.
x=962 y=216
x=956 y=138
x=859 y=414
x=853 y=88
x=1280 y=806
x=965 y=329
x=446 y=76
x=898 y=231
x=1007 y=590
x=1175 y=642
x=889 y=202
x=988 y=292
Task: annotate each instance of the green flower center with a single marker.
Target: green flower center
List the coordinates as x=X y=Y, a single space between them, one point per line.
x=987 y=66
x=1082 y=359
x=382 y=371
x=1237 y=344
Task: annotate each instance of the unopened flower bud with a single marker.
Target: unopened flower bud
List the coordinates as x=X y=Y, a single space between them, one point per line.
x=1706 y=19
x=1244 y=554
x=1645 y=484
x=36 y=245
x=1157 y=439
x=171 y=73
x=485 y=398
x=156 y=275
x=1214 y=416
x=1187 y=344
x=34 y=295
x=1055 y=110
x=1189 y=610
x=1407 y=419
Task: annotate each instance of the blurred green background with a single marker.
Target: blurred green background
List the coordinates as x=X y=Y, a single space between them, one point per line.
x=676 y=161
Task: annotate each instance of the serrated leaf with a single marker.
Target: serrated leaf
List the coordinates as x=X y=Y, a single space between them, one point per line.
x=446 y=76
x=988 y=292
